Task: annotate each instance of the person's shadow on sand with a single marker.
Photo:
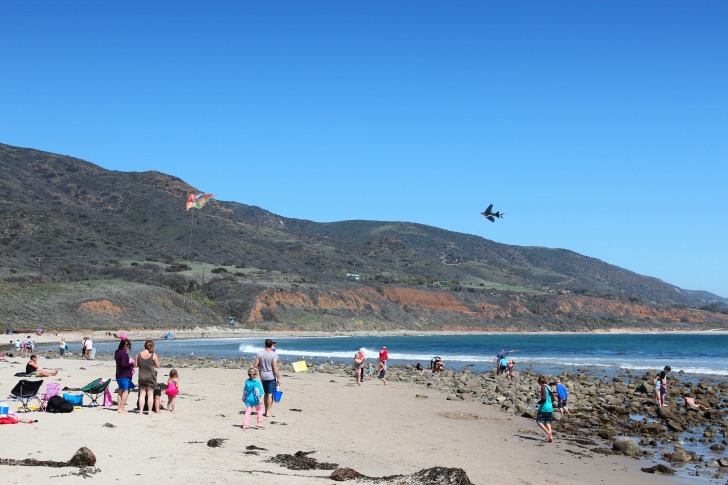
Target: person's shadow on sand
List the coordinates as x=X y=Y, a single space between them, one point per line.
x=532 y=438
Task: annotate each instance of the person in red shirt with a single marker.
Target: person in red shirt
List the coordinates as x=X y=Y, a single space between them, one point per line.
x=383 y=356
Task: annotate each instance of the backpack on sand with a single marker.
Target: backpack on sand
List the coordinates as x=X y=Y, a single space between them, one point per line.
x=57 y=404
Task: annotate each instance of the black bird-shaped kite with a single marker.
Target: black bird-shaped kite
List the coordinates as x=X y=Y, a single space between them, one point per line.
x=490 y=215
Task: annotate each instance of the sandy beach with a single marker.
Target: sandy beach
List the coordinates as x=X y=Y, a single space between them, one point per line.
x=376 y=430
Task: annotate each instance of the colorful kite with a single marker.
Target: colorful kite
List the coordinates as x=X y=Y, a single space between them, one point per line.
x=197 y=200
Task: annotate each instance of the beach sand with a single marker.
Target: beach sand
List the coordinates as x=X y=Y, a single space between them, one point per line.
x=376 y=430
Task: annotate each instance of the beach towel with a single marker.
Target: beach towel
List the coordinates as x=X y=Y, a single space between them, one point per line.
x=108 y=400
x=300 y=366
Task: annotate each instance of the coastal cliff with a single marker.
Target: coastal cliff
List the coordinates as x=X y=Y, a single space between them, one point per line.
x=392 y=307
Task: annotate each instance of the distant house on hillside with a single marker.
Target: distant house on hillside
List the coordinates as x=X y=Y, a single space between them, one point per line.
x=352 y=277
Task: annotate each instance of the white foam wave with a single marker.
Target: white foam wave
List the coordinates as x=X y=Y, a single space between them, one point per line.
x=520 y=359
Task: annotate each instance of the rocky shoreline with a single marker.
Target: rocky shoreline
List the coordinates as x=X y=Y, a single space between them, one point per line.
x=610 y=414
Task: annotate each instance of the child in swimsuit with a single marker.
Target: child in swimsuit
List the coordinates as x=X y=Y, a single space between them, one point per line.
x=172 y=389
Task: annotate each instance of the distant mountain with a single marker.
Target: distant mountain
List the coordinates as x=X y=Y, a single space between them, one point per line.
x=65 y=220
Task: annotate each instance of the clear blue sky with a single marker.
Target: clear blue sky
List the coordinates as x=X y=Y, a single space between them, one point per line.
x=600 y=127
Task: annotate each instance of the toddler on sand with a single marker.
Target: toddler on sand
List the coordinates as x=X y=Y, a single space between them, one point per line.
x=172 y=389
x=252 y=393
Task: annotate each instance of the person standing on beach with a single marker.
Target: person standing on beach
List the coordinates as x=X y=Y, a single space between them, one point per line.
x=28 y=345
x=252 y=392
x=172 y=389
x=382 y=371
x=266 y=361
x=124 y=373
x=359 y=366
x=147 y=363
x=563 y=397
x=89 y=348
x=384 y=356
x=83 y=348
x=661 y=386
x=545 y=409
x=510 y=368
x=62 y=347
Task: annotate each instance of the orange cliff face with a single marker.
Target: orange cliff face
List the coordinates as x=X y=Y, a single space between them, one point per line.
x=435 y=308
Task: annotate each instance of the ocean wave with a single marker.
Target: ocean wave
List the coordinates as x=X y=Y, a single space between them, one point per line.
x=479 y=360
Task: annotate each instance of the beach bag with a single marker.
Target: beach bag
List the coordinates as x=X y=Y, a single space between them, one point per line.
x=57 y=404
x=74 y=399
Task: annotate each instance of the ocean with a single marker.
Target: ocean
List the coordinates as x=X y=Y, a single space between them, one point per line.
x=695 y=354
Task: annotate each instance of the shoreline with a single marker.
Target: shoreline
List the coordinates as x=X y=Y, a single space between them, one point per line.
x=222 y=332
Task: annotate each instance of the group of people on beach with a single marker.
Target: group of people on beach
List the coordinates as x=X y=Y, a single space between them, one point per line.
x=359 y=366
x=150 y=392
x=24 y=347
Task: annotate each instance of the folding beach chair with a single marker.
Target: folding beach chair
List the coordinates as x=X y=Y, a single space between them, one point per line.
x=96 y=389
x=52 y=389
x=24 y=391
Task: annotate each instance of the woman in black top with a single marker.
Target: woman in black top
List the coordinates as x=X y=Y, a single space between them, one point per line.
x=32 y=368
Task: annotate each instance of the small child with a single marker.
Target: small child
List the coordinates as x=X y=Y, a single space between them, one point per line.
x=502 y=366
x=252 y=393
x=370 y=371
x=545 y=409
x=381 y=371
x=172 y=389
x=509 y=369
x=563 y=397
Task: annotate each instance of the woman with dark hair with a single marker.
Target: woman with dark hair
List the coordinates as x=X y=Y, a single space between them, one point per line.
x=147 y=363
x=124 y=372
x=32 y=368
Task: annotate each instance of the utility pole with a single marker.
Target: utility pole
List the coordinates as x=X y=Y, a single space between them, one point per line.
x=40 y=269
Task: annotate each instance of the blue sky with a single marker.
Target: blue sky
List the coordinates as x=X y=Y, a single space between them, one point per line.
x=599 y=127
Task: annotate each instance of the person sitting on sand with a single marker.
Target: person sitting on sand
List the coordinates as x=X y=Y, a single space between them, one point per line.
x=32 y=368
x=691 y=404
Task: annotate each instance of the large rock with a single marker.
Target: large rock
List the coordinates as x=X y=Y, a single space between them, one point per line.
x=660 y=469
x=652 y=428
x=679 y=456
x=626 y=446
x=83 y=457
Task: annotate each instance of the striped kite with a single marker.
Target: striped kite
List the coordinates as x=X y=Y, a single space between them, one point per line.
x=197 y=200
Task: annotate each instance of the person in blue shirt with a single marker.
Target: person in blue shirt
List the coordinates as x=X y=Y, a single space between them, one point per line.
x=252 y=394
x=503 y=365
x=563 y=397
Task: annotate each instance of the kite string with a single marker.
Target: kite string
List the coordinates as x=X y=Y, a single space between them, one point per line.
x=189 y=261
x=189 y=249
